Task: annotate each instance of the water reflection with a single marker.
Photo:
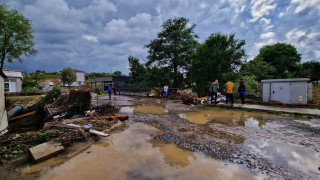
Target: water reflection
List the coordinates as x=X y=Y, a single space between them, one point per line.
x=284 y=155
x=203 y=115
x=152 y=109
x=131 y=155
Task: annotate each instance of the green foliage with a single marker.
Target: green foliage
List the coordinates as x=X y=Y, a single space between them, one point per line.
x=280 y=59
x=117 y=73
x=172 y=48
x=68 y=76
x=219 y=57
x=96 y=74
x=28 y=83
x=54 y=93
x=75 y=108
x=258 y=68
x=16 y=37
x=310 y=69
x=137 y=71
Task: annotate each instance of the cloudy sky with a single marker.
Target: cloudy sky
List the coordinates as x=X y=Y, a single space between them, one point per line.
x=99 y=35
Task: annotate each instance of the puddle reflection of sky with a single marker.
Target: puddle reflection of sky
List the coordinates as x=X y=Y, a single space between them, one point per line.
x=290 y=156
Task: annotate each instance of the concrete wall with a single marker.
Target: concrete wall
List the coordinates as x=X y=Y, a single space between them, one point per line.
x=299 y=93
x=3 y=112
x=80 y=78
x=266 y=92
x=310 y=87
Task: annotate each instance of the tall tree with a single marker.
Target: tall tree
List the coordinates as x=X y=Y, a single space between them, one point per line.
x=137 y=70
x=259 y=69
x=16 y=37
x=219 y=57
x=283 y=57
x=117 y=73
x=311 y=69
x=172 y=48
x=68 y=76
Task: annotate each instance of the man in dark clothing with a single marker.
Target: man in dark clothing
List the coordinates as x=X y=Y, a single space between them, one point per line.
x=215 y=89
x=242 y=90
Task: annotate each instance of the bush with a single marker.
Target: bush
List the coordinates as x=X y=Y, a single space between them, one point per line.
x=54 y=93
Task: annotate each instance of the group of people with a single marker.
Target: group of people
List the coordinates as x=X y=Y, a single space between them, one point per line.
x=109 y=90
x=229 y=89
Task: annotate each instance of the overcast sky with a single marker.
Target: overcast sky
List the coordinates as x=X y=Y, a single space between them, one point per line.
x=99 y=35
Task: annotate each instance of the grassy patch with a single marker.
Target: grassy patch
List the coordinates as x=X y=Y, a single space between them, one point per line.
x=12 y=101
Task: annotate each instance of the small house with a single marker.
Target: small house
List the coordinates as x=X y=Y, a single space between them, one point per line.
x=3 y=112
x=288 y=91
x=80 y=78
x=13 y=82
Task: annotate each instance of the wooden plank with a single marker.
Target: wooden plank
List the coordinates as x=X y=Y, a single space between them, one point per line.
x=45 y=150
x=21 y=116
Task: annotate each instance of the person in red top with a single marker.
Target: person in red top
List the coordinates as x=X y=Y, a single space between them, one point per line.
x=114 y=89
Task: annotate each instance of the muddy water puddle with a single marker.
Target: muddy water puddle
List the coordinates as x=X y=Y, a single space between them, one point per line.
x=132 y=154
x=203 y=115
x=287 y=156
x=147 y=109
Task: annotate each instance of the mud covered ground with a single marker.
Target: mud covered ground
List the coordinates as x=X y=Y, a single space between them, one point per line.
x=269 y=146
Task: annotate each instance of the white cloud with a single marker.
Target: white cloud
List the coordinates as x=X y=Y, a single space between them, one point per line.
x=260 y=8
x=264 y=43
x=295 y=34
x=90 y=38
x=305 y=4
x=268 y=35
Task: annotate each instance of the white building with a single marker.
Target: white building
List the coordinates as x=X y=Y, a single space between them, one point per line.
x=13 y=82
x=80 y=78
x=3 y=112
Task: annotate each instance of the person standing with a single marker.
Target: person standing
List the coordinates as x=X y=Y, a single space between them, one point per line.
x=215 y=89
x=165 y=88
x=229 y=88
x=109 y=91
x=242 y=90
x=114 y=89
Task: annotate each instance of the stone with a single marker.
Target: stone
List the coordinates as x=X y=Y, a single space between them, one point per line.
x=45 y=150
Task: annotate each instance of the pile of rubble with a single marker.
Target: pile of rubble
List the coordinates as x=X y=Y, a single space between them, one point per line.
x=69 y=118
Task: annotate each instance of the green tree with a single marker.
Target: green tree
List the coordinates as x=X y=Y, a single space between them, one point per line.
x=16 y=37
x=283 y=57
x=310 y=69
x=259 y=69
x=137 y=71
x=172 y=48
x=68 y=76
x=219 y=57
x=117 y=73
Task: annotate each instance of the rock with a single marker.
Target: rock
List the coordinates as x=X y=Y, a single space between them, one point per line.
x=45 y=150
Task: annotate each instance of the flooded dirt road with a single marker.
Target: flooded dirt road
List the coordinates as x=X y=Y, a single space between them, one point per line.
x=169 y=140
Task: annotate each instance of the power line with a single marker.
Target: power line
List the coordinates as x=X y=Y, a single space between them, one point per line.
x=215 y=12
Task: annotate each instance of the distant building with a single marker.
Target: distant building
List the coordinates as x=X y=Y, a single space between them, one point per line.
x=13 y=82
x=80 y=78
x=3 y=112
x=121 y=82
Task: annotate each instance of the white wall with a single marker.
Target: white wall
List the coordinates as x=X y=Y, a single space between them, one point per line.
x=3 y=112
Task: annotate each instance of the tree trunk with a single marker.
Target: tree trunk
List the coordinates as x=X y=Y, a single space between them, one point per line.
x=2 y=62
x=175 y=79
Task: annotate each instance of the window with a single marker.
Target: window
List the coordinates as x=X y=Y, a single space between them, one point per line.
x=6 y=85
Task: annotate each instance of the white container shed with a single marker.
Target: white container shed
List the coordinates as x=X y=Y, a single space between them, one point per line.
x=288 y=91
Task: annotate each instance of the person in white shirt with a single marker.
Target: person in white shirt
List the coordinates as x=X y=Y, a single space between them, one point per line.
x=165 y=94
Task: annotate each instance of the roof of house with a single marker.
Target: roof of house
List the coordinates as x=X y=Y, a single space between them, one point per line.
x=13 y=73
x=286 y=80
x=76 y=70
x=2 y=74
